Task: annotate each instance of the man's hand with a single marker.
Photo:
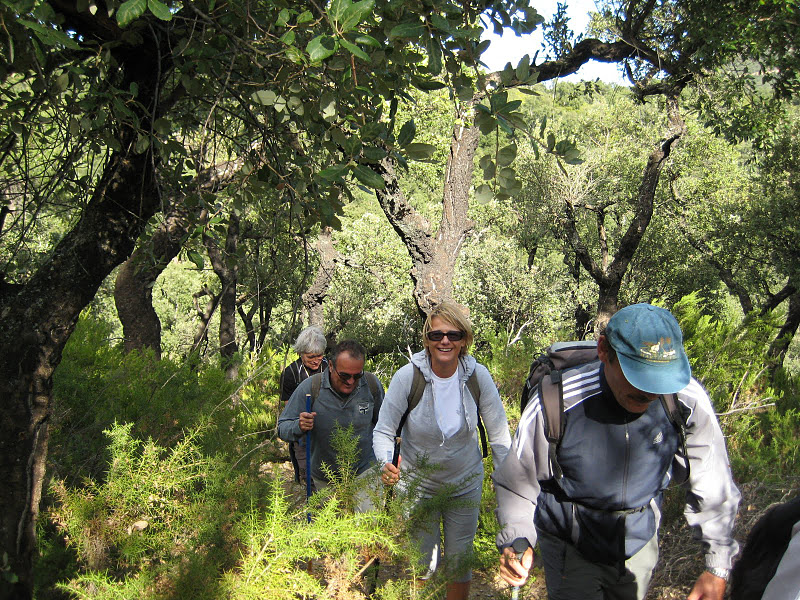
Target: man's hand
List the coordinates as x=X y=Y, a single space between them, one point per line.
x=513 y=571
x=708 y=587
x=307 y=421
x=391 y=474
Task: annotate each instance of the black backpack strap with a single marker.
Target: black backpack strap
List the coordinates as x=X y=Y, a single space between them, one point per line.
x=551 y=398
x=374 y=383
x=316 y=383
x=670 y=404
x=475 y=391
x=417 y=388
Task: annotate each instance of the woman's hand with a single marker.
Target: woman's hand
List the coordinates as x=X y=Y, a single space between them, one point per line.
x=391 y=474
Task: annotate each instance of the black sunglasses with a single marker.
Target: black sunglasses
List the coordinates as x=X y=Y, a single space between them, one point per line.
x=437 y=336
x=348 y=376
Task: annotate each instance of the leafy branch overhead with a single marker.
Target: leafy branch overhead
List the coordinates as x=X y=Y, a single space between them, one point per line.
x=110 y=112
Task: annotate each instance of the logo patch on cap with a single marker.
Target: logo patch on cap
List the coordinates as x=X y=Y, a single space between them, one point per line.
x=661 y=351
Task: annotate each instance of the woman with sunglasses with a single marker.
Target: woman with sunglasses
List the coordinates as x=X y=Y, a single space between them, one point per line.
x=442 y=430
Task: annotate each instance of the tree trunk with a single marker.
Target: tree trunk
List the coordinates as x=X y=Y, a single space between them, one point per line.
x=780 y=345
x=609 y=274
x=36 y=323
x=133 y=297
x=133 y=289
x=434 y=257
x=265 y=306
x=134 y=284
x=314 y=297
x=226 y=268
x=247 y=319
x=203 y=316
x=37 y=317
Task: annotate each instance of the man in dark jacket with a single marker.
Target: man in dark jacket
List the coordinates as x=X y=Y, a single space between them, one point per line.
x=597 y=525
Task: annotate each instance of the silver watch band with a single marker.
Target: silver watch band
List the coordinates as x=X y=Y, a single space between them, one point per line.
x=719 y=572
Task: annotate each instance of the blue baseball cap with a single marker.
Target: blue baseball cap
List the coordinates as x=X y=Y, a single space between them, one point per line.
x=649 y=345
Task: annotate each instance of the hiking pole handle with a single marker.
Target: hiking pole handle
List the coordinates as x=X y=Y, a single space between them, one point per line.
x=395 y=460
x=519 y=547
x=396 y=452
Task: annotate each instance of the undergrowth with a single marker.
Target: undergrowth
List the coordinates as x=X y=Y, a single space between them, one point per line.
x=159 y=488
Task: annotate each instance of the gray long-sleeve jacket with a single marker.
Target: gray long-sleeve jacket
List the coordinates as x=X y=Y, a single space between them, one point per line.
x=358 y=409
x=712 y=499
x=785 y=584
x=458 y=458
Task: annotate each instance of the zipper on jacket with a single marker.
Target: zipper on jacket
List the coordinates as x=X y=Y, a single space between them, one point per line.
x=627 y=464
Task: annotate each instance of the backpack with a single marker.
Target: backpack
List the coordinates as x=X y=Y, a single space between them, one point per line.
x=372 y=382
x=415 y=395
x=546 y=375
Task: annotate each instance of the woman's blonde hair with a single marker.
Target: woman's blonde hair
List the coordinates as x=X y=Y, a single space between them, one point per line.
x=453 y=314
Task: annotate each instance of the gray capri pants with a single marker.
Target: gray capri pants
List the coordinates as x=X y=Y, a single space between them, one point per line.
x=459 y=525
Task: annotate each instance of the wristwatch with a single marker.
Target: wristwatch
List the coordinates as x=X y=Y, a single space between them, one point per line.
x=720 y=572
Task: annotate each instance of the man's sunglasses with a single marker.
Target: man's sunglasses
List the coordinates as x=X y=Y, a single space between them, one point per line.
x=348 y=376
x=437 y=336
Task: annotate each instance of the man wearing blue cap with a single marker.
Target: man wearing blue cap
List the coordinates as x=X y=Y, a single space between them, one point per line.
x=597 y=523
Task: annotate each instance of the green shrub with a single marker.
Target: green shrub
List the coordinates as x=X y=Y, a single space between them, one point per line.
x=256 y=404
x=728 y=355
x=486 y=555
x=97 y=384
x=156 y=507
x=278 y=543
x=765 y=446
x=509 y=365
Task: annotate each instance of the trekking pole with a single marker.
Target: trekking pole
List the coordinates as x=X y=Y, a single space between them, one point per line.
x=310 y=566
x=519 y=546
x=308 y=460
x=376 y=562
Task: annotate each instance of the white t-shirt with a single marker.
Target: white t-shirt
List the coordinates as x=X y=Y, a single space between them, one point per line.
x=447 y=404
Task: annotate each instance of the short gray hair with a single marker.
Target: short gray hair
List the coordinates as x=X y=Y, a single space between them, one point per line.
x=310 y=341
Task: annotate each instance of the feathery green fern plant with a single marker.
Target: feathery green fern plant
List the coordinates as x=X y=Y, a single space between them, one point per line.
x=132 y=530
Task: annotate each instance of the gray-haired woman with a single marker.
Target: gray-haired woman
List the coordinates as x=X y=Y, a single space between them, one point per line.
x=310 y=345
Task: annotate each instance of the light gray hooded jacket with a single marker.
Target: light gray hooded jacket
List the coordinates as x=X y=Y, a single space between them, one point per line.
x=458 y=458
